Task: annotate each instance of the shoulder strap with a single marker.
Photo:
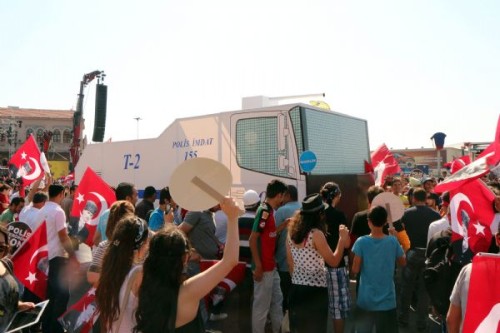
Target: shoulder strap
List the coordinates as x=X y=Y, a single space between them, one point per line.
x=124 y=303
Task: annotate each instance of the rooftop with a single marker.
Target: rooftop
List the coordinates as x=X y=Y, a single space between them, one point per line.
x=17 y=112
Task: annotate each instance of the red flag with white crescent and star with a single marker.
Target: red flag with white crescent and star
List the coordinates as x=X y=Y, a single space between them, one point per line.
x=384 y=164
x=92 y=198
x=472 y=216
x=483 y=301
x=486 y=161
x=31 y=262
x=82 y=315
x=27 y=161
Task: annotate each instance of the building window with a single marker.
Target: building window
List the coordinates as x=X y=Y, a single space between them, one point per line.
x=56 y=136
x=67 y=137
x=29 y=131
x=39 y=135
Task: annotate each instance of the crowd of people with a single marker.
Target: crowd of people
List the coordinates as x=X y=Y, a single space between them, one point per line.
x=301 y=256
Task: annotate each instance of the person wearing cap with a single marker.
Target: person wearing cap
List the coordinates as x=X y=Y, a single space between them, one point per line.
x=375 y=258
x=307 y=253
x=243 y=293
x=267 y=296
x=290 y=205
x=428 y=184
x=337 y=278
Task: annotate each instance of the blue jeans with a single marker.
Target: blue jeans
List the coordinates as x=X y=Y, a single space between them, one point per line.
x=267 y=298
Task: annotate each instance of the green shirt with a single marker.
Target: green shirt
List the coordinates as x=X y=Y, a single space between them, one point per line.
x=6 y=217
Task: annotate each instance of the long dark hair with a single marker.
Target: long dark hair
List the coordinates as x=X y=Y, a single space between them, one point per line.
x=162 y=278
x=302 y=223
x=128 y=236
x=117 y=211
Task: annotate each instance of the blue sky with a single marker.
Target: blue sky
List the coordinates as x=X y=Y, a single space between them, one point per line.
x=411 y=68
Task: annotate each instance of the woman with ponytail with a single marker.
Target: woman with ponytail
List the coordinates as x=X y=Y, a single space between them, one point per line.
x=119 y=281
x=118 y=210
x=165 y=288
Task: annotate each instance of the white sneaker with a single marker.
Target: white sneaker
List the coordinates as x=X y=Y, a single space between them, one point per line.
x=215 y=317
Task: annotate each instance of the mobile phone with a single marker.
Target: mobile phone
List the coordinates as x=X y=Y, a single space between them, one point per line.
x=167 y=210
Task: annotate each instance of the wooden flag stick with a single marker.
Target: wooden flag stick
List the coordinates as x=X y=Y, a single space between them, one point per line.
x=207 y=189
x=389 y=216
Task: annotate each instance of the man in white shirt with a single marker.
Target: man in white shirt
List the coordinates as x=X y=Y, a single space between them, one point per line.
x=443 y=223
x=29 y=214
x=61 y=254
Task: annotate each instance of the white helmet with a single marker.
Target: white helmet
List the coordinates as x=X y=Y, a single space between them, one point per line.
x=250 y=198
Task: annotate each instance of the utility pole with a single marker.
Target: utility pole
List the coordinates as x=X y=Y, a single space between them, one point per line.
x=138 y=119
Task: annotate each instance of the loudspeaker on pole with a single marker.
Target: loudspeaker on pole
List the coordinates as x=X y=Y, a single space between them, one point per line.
x=101 y=97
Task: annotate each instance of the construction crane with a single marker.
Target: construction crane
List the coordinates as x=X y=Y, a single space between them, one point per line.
x=76 y=144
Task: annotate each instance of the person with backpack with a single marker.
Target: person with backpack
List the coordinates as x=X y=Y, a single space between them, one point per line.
x=440 y=270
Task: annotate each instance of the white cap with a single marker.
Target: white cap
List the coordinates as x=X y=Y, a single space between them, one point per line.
x=250 y=198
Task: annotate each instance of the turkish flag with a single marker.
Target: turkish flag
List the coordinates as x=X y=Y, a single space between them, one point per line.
x=219 y=293
x=27 y=161
x=459 y=163
x=93 y=196
x=384 y=164
x=81 y=316
x=487 y=160
x=472 y=216
x=483 y=301
x=31 y=262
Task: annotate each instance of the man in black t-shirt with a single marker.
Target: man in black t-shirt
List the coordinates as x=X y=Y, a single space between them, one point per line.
x=416 y=221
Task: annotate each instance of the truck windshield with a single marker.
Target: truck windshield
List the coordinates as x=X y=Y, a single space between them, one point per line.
x=340 y=142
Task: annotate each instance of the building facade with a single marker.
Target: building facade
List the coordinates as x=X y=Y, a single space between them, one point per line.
x=16 y=124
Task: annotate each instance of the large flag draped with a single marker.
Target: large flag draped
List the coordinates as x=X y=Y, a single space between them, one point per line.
x=93 y=196
x=27 y=161
x=384 y=164
x=31 y=262
x=82 y=315
x=488 y=159
x=472 y=215
x=483 y=301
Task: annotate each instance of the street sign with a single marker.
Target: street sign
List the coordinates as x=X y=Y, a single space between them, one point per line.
x=307 y=161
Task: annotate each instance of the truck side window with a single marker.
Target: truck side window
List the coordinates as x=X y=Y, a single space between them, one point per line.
x=257 y=145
